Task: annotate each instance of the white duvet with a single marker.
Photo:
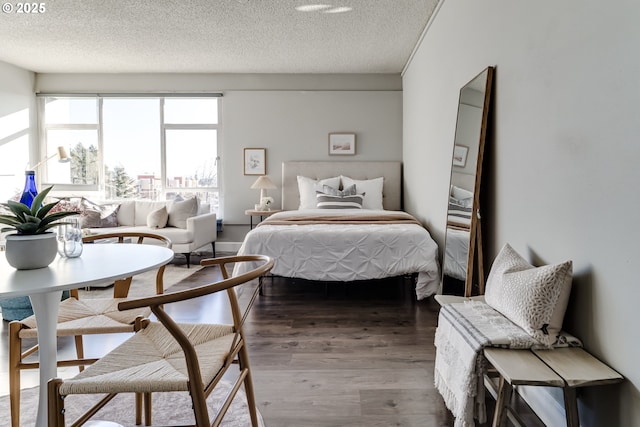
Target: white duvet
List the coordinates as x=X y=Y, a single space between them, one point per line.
x=456 y=253
x=345 y=252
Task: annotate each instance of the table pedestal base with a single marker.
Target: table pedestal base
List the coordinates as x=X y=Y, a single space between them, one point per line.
x=45 y=307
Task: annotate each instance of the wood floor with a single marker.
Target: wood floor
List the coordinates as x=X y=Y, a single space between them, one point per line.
x=357 y=354
x=345 y=355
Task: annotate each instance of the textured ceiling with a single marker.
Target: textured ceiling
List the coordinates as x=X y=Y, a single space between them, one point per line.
x=213 y=36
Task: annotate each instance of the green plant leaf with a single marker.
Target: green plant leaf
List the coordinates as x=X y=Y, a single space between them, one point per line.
x=45 y=210
x=27 y=228
x=34 y=220
x=37 y=202
x=9 y=220
x=18 y=209
x=50 y=220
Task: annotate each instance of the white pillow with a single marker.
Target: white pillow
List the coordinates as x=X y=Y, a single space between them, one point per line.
x=158 y=218
x=463 y=197
x=307 y=188
x=372 y=189
x=179 y=211
x=534 y=298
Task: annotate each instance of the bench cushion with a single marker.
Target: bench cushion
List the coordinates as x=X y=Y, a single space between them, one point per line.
x=534 y=298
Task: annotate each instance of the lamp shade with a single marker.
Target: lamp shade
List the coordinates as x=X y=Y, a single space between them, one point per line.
x=263 y=183
x=63 y=157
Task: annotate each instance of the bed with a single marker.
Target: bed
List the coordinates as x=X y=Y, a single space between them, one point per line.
x=456 y=253
x=457 y=238
x=322 y=240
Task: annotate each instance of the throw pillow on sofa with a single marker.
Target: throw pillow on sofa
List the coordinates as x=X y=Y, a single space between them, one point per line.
x=534 y=298
x=158 y=218
x=179 y=211
x=93 y=215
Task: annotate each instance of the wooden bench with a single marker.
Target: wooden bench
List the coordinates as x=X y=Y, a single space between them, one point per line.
x=567 y=368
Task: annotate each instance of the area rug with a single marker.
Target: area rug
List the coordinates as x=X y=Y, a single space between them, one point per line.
x=144 y=284
x=169 y=409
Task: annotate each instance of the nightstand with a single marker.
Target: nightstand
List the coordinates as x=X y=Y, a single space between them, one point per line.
x=261 y=214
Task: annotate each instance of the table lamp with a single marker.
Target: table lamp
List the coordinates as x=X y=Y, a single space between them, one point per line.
x=263 y=183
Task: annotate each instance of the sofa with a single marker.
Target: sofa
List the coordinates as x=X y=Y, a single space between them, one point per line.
x=187 y=223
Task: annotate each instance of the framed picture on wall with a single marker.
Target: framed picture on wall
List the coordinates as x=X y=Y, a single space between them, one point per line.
x=342 y=143
x=255 y=161
x=460 y=155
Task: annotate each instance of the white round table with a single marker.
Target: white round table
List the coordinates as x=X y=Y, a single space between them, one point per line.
x=99 y=265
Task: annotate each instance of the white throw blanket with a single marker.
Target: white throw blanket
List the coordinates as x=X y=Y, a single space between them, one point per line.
x=464 y=329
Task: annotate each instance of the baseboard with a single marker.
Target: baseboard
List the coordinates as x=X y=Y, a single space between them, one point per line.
x=221 y=247
x=228 y=246
x=540 y=399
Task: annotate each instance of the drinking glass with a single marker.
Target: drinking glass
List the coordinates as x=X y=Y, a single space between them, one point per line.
x=70 y=238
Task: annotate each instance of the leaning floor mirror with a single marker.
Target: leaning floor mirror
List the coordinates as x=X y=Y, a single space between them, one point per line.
x=463 y=238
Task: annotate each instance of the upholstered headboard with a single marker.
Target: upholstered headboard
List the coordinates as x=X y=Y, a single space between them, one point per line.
x=391 y=171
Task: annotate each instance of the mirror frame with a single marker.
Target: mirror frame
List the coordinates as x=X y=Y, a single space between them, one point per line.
x=474 y=253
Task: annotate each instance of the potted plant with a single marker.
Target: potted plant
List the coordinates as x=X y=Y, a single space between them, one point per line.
x=33 y=245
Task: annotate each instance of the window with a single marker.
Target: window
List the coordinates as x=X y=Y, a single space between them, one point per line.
x=14 y=153
x=131 y=148
x=138 y=146
x=72 y=123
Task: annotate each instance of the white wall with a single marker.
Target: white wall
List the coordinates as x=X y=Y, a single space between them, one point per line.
x=289 y=115
x=294 y=125
x=563 y=152
x=17 y=127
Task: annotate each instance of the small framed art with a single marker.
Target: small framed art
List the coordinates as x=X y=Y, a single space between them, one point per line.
x=255 y=161
x=460 y=155
x=342 y=143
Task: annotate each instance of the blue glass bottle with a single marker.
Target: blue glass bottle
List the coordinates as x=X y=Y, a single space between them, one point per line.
x=20 y=307
x=30 y=190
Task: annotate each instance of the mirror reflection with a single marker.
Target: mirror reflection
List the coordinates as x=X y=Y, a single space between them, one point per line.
x=463 y=242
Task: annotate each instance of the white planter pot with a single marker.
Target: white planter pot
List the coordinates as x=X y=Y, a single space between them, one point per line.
x=28 y=252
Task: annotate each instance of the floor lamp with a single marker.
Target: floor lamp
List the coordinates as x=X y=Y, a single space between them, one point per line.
x=30 y=189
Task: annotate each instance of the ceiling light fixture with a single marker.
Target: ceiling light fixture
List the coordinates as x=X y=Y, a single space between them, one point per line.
x=312 y=7
x=340 y=9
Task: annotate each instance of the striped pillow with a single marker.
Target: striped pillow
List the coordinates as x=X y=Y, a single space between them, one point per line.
x=328 y=201
x=458 y=209
x=349 y=191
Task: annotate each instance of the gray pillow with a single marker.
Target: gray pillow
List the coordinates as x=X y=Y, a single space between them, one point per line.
x=348 y=191
x=158 y=218
x=98 y=216
x=328 y=201
x=179 y=211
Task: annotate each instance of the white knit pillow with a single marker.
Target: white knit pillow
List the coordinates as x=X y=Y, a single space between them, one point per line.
x=534 y=298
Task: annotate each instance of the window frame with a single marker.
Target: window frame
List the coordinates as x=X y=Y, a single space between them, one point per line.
x=99 y=188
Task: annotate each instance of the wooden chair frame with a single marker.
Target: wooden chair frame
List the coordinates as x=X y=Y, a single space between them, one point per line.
x=121 y=289
x=198 y=390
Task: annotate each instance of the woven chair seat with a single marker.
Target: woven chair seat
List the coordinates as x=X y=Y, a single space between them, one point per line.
x=152 y=361
x=89 y=316
x=166 y=356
